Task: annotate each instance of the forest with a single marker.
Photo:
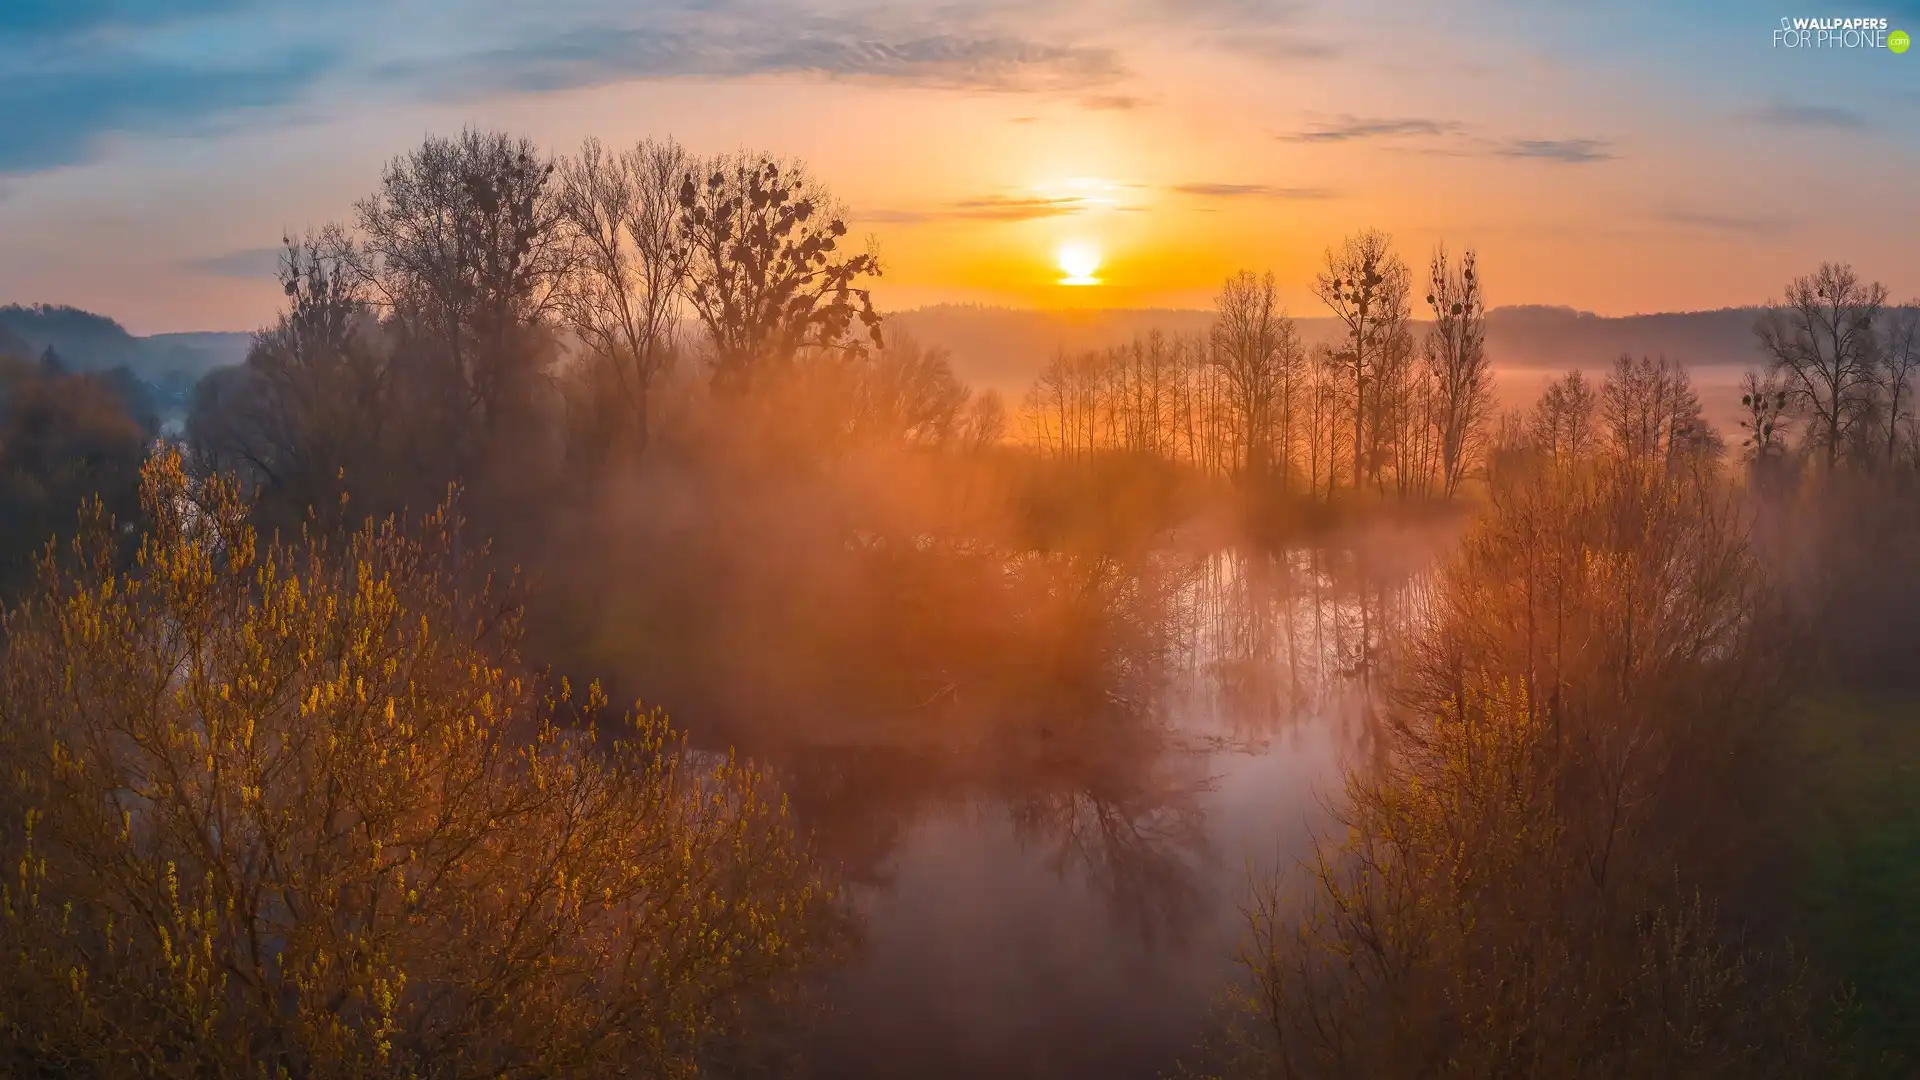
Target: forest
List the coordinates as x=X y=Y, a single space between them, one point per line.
x=534 y=659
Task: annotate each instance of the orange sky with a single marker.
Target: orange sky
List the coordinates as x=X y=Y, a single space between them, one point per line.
x=1622 y=159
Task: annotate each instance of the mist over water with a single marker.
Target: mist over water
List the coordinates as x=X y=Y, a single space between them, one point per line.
x=1053 y=889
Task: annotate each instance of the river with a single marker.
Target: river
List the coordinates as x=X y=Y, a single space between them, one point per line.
x=1071 y=907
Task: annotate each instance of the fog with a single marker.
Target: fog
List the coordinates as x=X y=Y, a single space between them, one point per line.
x=586 y=637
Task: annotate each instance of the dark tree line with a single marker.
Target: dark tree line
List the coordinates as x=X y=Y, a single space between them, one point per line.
x=1387 y=409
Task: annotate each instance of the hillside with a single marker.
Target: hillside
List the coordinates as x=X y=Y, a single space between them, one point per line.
x=87 y=342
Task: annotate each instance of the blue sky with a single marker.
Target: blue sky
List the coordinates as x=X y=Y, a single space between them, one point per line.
x=1616 y=157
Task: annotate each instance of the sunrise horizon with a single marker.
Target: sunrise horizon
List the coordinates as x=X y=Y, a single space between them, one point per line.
x=1627 y=161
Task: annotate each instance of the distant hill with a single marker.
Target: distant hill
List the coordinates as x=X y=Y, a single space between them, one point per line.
x=88 y=342
x=1005 y=347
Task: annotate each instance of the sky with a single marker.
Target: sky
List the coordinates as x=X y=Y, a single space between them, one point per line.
x=1614 y=157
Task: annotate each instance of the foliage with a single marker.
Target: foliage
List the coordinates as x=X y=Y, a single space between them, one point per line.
x=293 y=810
x=63 y=440
x=1522 y=889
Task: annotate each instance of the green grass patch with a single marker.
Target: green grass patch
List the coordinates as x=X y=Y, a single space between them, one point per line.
x=1855 y=840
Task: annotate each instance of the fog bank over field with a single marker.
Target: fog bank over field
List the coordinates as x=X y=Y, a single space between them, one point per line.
x=1006 y=347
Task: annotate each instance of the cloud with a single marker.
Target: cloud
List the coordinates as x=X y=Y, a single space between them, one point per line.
x=993 y=208
x=1274 y=45
x=1719 y=222
x=1016 y=207
x=1827 y=117
x=1236 y=191
x=805 y=46
x=1351 y=128
x=76 y=71
x=1113 y=102
x=55 y=19
x=54 y=117
x=1563 y=151
x=261 y=262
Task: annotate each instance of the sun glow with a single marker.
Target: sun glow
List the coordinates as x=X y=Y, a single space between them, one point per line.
x=1078 y=261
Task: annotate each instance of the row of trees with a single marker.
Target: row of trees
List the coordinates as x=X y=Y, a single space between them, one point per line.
x=487 y=302
x=1563 y=859
x=1842 y=362
x=1383 y=408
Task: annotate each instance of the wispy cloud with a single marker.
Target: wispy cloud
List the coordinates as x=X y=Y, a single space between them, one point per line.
x=984 y=208
x=1238 y=191
x=72 y=71
x=1275 y=46
x=1716 y=221
x=261 y=262
x=53 y=118
x=1072 y=197
x=1016 y=207
x=1113 y=102
x=1828 y=117
x=1563 y=151
x=1352 y=128
x=595 y=56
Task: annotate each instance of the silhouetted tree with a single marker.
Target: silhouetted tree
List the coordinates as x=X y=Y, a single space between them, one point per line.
x=1899 y=356
x=1457 y=355
x=64 y=439
x=1562 y=424
x=765 y=273
x=1822 y=340
x=1651 y=415
x=1259 y=356
x=313 y=406
x=461 y=246
x=621 y=295
x=1365 y=285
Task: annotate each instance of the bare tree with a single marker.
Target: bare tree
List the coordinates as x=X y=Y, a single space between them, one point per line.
x=309 y=408
x=907 y=393
x=1257 y=350
x=1822 y=340
x=765 y=271
x=1365 y=285
x=1651 y=413
x=621 y=298
x=1457 y=355
x=1899 y=353
x=1561 y=426
x=461 y=245
x=983 y=424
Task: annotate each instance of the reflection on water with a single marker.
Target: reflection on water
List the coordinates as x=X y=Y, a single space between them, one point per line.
x=1050 y=874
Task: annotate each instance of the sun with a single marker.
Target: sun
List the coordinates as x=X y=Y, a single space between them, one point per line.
x=1078 y=260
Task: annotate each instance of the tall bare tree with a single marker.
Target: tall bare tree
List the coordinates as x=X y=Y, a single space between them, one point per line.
x=1899 y=351
x=1257 y=350
x=1365 y=285
x=1651 y=414
x=1822 y=340
x=310 y=407
x=1562 y=424
x=461 y=245
x=765 y=273
x=1457 y=355
x=621 y=299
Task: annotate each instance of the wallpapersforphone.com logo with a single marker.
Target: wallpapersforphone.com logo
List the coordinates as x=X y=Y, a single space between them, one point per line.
x=1853 y=33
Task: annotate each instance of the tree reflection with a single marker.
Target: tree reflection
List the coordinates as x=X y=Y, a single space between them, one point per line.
x=1088 y=709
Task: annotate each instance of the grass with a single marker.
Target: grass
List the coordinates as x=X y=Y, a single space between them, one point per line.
x=1855 y=854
